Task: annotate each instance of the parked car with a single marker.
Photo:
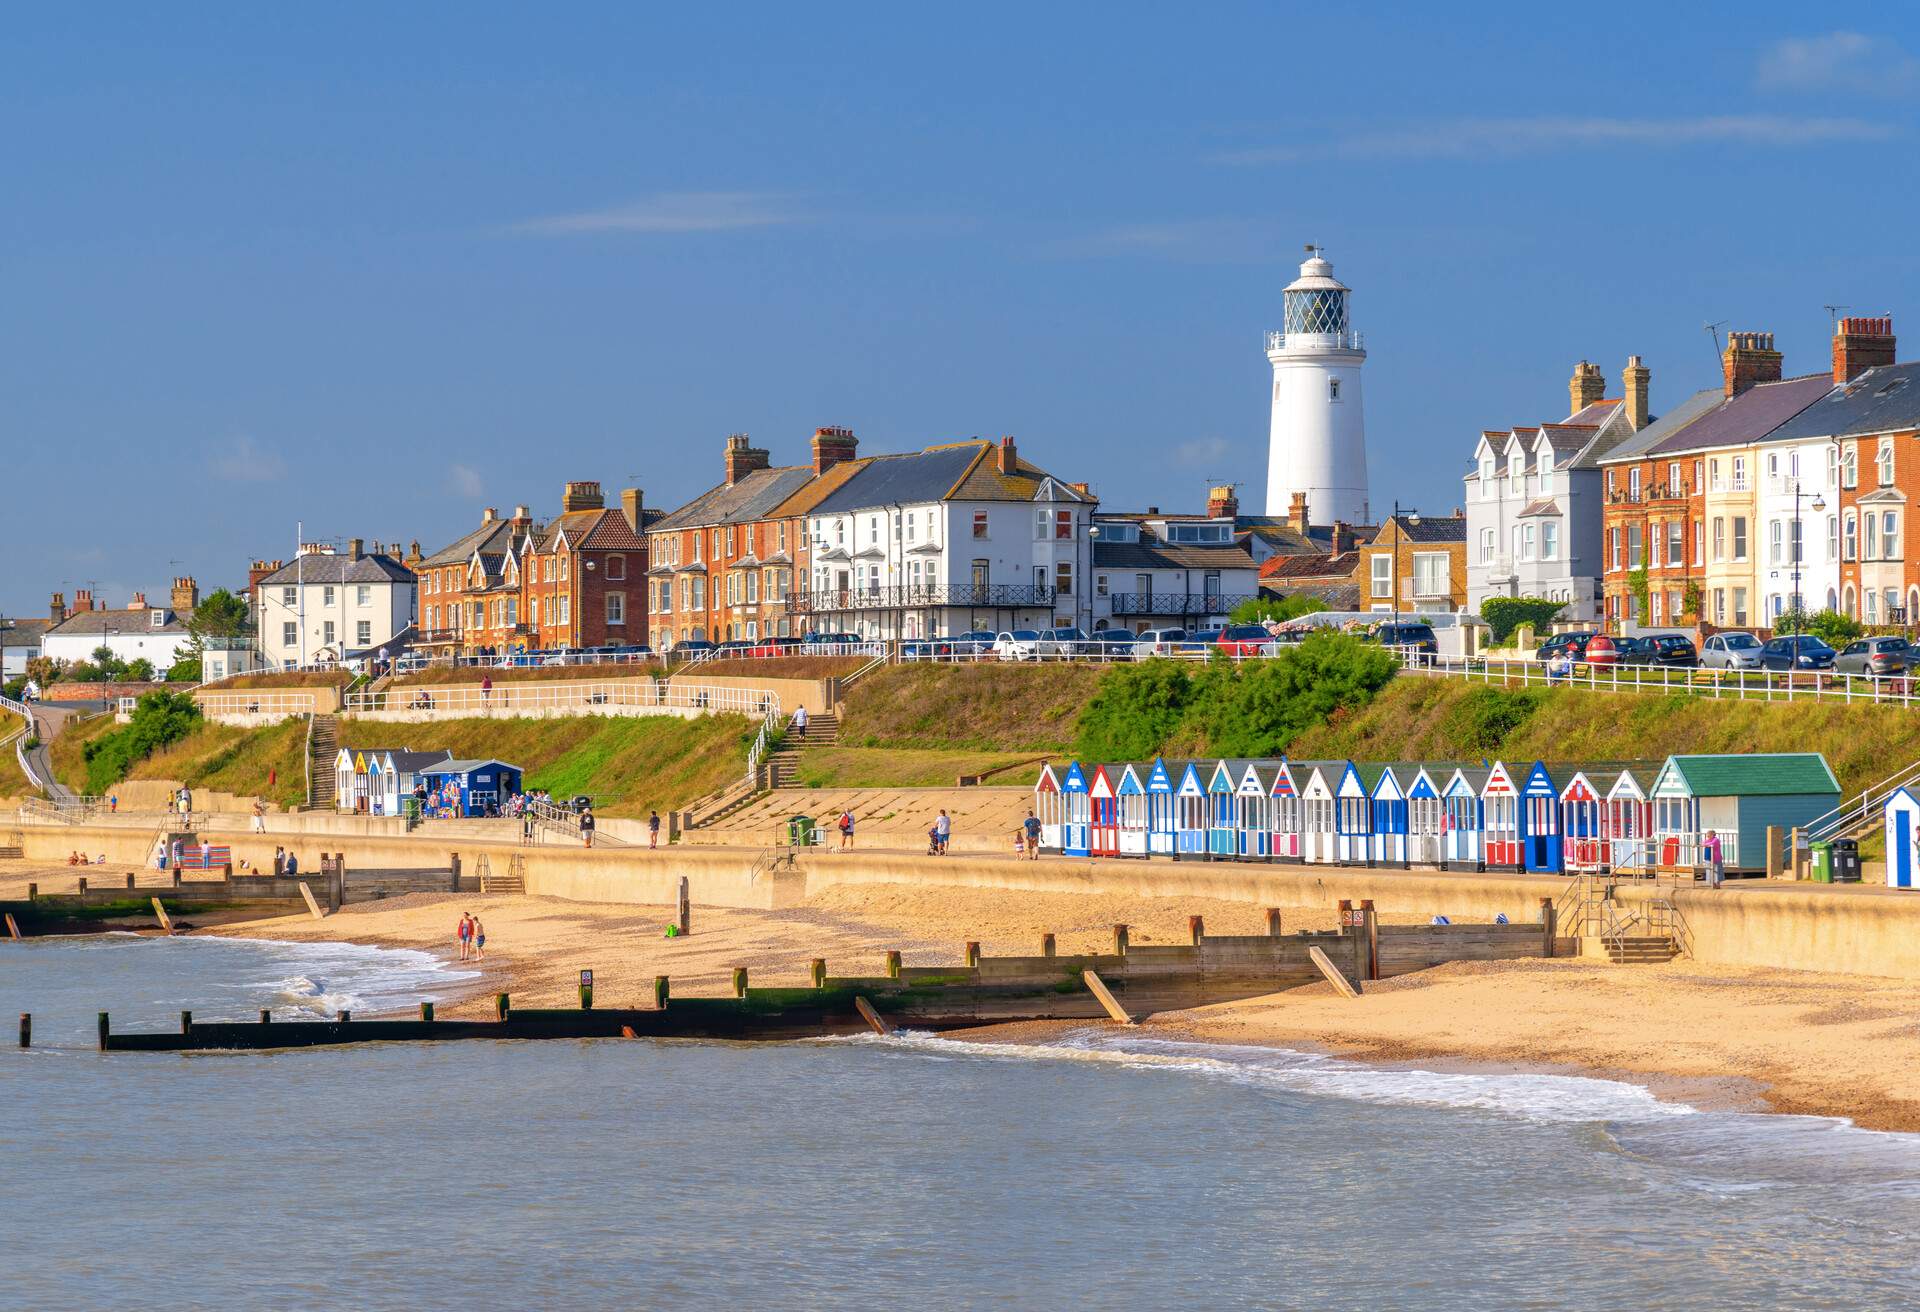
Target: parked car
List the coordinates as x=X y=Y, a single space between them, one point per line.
x=1114 y=644
x=1601 y=649
x=1201 y=640
x=1731 y=651
x=1419 y=637
x=1876 y=656
x=691 y=647
x=1064 y=642
x=1246 y=640
x=922 y=649
x=1674 y=650
x=1801 y=651
x=974 y=642
x=1573 y=645
x=1018 y=645
x=771 y=646
x=1158 y=642
x=831 y=639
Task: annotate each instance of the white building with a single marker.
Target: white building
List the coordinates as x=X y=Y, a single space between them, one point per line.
x=1317 y=444
x=155 y=634
x=1165 y=571
x=942 y=541
x=20 y=642
x=327 y=606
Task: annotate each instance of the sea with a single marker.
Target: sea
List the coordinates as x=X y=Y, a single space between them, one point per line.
x=910 y=1172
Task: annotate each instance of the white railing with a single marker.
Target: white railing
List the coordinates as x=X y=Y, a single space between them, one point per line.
x=550 y=696
x=20 y=709
x=1864 y=809
x=763 y=742
x=280 y=702
x=521 y=660
x=1741 y=685
x=565 y=820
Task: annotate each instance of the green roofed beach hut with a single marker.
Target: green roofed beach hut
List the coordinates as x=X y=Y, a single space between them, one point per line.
x=1737 y=796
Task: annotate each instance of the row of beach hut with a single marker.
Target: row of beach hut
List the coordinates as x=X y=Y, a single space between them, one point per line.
x=1548 y=817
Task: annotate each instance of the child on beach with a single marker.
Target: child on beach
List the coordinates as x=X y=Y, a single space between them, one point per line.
x=479 y=940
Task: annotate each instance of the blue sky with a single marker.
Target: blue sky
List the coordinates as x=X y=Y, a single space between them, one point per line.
x=376 y=268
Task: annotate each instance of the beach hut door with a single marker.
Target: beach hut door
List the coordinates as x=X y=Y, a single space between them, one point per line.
x=1424 y=813
x=1900 y=850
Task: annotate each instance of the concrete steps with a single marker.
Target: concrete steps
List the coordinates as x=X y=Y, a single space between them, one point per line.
x=323 y=747
x=783 y=766
x=1643 y=950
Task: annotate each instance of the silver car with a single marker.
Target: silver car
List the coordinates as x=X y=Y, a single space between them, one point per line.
x=1731 y=651
x=1158 y=642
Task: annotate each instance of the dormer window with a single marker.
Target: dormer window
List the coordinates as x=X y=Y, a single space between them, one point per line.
x=159 y=619
x=1517 y=471
x=1546 y=472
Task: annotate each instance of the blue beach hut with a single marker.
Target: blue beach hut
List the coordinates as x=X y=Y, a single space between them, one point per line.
x=1389 y=799
x=1190 y=818
x=1076 y=816
x=1223 y=808
x=1462 y=829
x=470 y=788
x=1426 y=820
x=1902 y=816
x=1133 y=812
x=1162 y=808
x=1540 y=820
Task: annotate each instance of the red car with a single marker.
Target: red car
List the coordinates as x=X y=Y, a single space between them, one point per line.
x=1246 y=640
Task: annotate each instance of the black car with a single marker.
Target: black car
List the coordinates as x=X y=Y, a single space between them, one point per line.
x=1572 y=645
x=832 y=639
x=1670 y=649
x=1802 y=651
x=1417 y=636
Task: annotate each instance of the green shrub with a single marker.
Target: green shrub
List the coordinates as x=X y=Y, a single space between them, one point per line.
x=1134 y=711
x=1504 y=615
x=1255 y=609
x=1830 y=626
x=1257 y=708
x=1481 y=719
x=159 y=718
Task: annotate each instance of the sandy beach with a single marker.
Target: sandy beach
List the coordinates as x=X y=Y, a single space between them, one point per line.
x=1789 y=1041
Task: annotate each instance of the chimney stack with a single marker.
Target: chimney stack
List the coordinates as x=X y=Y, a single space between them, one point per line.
x=1007 y=459
x=139 y=601
x=1222 y=503
x=1342 y=538
x=630 y=507
x=743 y=458
x=1297 y=514
x=185 y=596
x=1585 y=387
x=582 y=494
x=523 y=515
x=1749 y=359
x=83 y=599
x=831 y=446
x=355 y=548
x=57 y=609
x=257 y=571
x=1638 y=381
x=1860 y=345
x=488 y=514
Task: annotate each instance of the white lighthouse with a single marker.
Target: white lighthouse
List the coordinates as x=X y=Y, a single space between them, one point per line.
x=1318 y=442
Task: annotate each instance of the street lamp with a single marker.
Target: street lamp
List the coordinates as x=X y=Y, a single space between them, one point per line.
x=1816 y=505
x=1413 y=521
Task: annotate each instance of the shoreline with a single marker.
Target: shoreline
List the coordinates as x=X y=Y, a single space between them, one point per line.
x=1714 y=1037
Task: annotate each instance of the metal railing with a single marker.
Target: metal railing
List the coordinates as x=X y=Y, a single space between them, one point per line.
x=772 y=730
x=1864 y=810
x=1634 y=496
x=1350 y=340
x=521 y=698
x=906 y=595
x=1743 y=685
x=565 y=820
x=256 y=701
x=1181 y=604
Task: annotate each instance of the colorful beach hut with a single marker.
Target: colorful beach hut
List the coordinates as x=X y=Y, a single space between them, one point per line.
x=1046 y=806
x=1223 y=808
x=1586 y=844
x=1254 y=803
x=1540 y=820
x=1500 y=819
x=1902 y=818
x=1190 y=818
x=1162 y=784
x=1353 y=816
x=1284 y=812
x=1630 y=817
x=1318 y=819
x=1133 y=812
x=1387 y=795
x=1426 y=820
x=1463 y=823
x=1737 y=797
x=1103 y=806
x=470 y=787
x=1076 y=827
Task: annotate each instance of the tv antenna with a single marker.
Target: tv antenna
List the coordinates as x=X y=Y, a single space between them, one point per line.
x=1713 y=331
x=1833 y=312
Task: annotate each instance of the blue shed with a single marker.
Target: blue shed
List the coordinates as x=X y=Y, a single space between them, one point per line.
x=1162 y=808
x=1737 y=796
x=1190 y=814
x=1076 y=814
x=469 y=788
x=1540 y=821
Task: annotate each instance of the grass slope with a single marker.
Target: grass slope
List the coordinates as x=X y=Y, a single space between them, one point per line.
x=1448 y=719
x=989 y=707
x=901 y=767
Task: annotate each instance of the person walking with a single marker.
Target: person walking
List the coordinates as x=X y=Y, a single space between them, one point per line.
x=526 y=826
x=1716 y=873
x=479 y=940
x=292 y=867
x=586 y=827
x=846 y=830
x=259 y=816
x=653 y=829
x=113 y=803
x=943 y=830
x=1032 y=825
x=460 y=932
x=175 y=854
x=800 y=722
x=486 y=690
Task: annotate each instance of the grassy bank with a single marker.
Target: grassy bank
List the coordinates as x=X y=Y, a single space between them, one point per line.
x=989 y=707
x=901 y=767
x=1450 y=719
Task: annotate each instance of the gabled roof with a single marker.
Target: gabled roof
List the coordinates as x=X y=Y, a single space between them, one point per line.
x=334 y=567
x=1749 y=416
x=1431 y=528
x=1162 y=555
x=1310 y=566
x=1659 y=430
x=749 y=498
x=1878 y=401
x=494 y=535
x=1278 y=532
x=23 y=632
x=118 y=623
x=1755 y=774
x=602 y=528
x=958 y=471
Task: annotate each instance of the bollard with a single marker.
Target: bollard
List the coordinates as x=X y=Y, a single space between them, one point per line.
x=500 y=1006
x=1120 y=940
x=1046 y=945
x=26 y=1029
x=129 y=879
x=33 y=891
x=660 y=992
x=186 y=1022
x=739 y=981
x=586 y=990
x=103 y=1031
x=818 y=972
x=266 y=1016
x=83 y=883
x=426 y=1012
x=893 y=963
x=972 y=953
x=176 y=877
x=1196 y=929
x=346 y=1017
x=1371 y=923
x=1273 y=922
x=685 y=907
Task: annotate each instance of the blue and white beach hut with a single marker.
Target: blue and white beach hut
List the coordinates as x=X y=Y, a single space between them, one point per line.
x=1902 y=816
x=1162 y=808
x=1426 y=820
x=1223 y=809
x=1133 y=812
x=1464 y=823
x=1540 y=820
x=470 y=788
x=1389 y=797
x=1190 y=818
x=1319 y=823
x=1353 y=817
x=1284 y=812
x=1255 y=805
x=1076 y=813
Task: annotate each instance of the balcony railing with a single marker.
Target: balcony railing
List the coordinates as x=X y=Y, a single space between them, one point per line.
x=1347 y=341
x=1628 y=496
x=907 y=595
x=1182 y=605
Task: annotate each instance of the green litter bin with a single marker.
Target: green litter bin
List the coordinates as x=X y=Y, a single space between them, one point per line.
x=800 y=831
x=1821 y=853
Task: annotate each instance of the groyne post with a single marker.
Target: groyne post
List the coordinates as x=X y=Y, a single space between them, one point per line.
x=453 y=872
x=83 y=883
x=345 y=1017
x=1273 y=922
x=1046 y=944
x=186 y=1022
x=817 y=971
x=266 y=1016
x=1372 y=923
x=129 y=879
x=1196 y=929
x=103 y=1031
x=501 y=1006
x=660 y=990
x=26 y=1029
x=739 y=981
x=1549 y=926
x=972 y=953
x=685 y=907
x=586 y=990
x=426 y=1012
x=893 y=963
x=1119 y=940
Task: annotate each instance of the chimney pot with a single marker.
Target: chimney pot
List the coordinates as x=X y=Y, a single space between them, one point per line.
x=1861 y=344
x=743 y=458
x=1007 y=459
x=1585 y=387
x=582 y=494
x=489 y=514
x=831 y=446
x=1749 y=360
x=1297 y=513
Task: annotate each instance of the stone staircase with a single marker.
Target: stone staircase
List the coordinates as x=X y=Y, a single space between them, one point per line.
x=323 y=744
x=783 y=766
x=1644 y=931
x=1640 y=950
x=513 y=881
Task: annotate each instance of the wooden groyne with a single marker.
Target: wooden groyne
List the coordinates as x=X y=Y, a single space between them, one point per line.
x=1136 y=980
